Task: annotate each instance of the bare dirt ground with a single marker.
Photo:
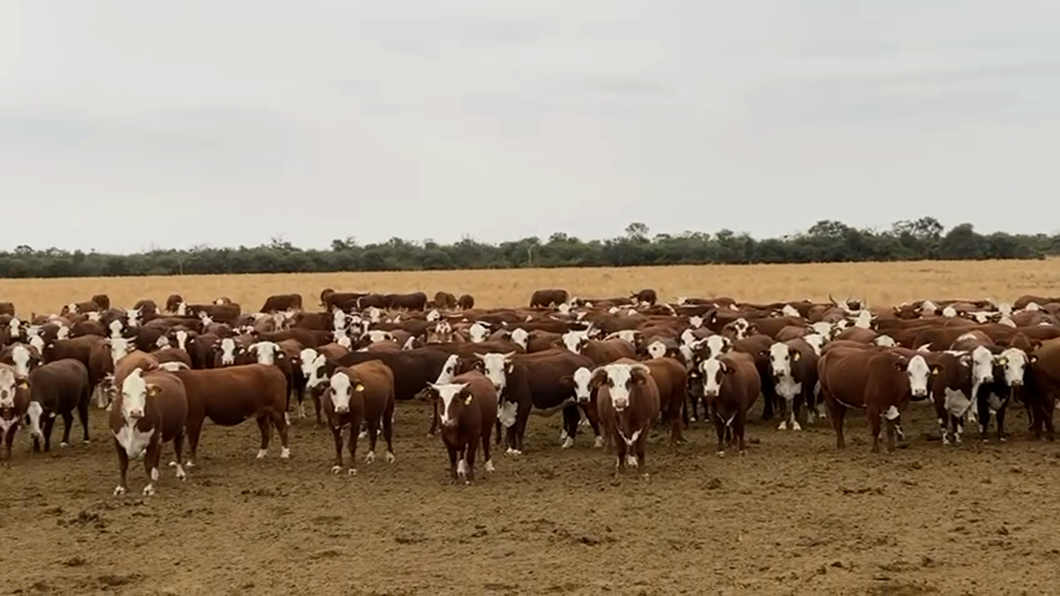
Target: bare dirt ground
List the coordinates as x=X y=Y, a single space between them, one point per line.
x=792 y=517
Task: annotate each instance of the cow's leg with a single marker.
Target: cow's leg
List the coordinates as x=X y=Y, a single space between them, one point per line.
x=178 y=452
x=740 y=424
x=123 y=470
x=593 y=416
x=783 y=405
x=720 y=427
x=194 y=432
x=9 y=438
x=317 y=407
x=472 y=448
x=48 y=424
x=434 y=419
x=388 y=432
x=875 y=426
x=151 y=458
x=837 y=412
x=676 y=403
x=279 y=420
x=571 y=417
x=486 y=448
x=620 y=450
x=1001 y=422
x=68 y=423
x=336 y=433
x=355 y=423
x=461 y=464
x=373 y=437
x=266 y=435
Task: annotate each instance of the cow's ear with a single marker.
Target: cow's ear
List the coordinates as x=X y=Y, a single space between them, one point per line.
x=900 y=364
x=153 y=390
x=567 y=381
x=935 y=370
x=23 y=384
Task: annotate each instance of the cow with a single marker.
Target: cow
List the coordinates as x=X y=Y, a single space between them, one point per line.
x=14 y=401
x=150 y=409
x=627 y=402
x=793 y=364
x=467 y=409
x=281 y=302
x=345 y=301
x=312 y=362
x=230 y=395
x=882 y=382
x=542 y=383
x=7 y=308
x=1010 y=368
x=24 y=358
x=444 y=300
x=57 y=389
x=547 y=298
x=413 y=301
x=1044 y=389
x=646 y=297
x=361 y=393
x=731 y=385
x=465 y=302
x=671 y=379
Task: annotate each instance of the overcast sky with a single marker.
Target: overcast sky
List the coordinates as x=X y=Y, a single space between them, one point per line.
x=127 y=124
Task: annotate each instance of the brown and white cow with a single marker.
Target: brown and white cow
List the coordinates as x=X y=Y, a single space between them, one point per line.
x=794 y=367
x=14 y=401
x=57 y=389
x=467 y=410
x=627 y=403
x=149 y=410
x=361 y=393
x=731 y=385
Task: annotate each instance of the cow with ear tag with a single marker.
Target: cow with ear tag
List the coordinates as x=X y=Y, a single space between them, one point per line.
x=627 y=401
x=467 y=410
x=731 y=385
x=149 y=410
x=14 y=401
x=362 y=392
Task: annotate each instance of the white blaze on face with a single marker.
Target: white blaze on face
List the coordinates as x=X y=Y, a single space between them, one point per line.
x=447 y=393
x=115 y=328
x=886 y=341
x=228 y=351
x=1005 y=309
x=162 y=342
x=741 y=326
x=94 y=315
x=780 y=359
x=789 y=311
x=346 y=342
x=448 y=370
x=478 y=333
x=338 y=319
x=717 y=345
x=132 y=318
x=14 y=327
x=695 y=321
x=1033 y=306
x=63 y=332
x=342 y=391
x=1014 y=362
x=620 y=379
x=434 y=315
x=712 y=376
x=949 y=311
x=1006 y=321
x=495 y=367
x=134 y=395
x=312 y=365
x=627 y=335
x=72 y=307
x=614 y=310
x=520 y=337
x=34 y=412
x=563 y=308
x=824 y=328
x=182 y=309
x=815 y=341
x=374 y=314
x=37 y=342
x=572 y=340
x=7 y=388
x=376 y=335
x=20 y=357
x=982 y=365
x=688 y=337
x=120 y=348
x=919 y=375
x=581 y=377
x=182 y=339
x=265 y=351
x=656 y=349
x=928 y=307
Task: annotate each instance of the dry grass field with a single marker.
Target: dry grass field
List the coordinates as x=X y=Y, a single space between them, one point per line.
x=792 y=517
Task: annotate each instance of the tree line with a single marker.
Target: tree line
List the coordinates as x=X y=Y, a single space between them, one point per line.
x=825 y=242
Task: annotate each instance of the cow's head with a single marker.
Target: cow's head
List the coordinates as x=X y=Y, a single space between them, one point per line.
x=266 y=352
x=120 y=347
x=713 y=370
x=134 y=393
x=478 y=332
x=455 y=397
x=781 y=357
x=520 y=337
x=229 y=350
x=449 y=370
x=24 y=358
x=497 y=367
x=918 y=372
x=1014 y=363
x=580 y=384
x=982 y=365
x=10 y=383
x=343 y=386
x=574 y=341
x=182 y=339
x=312 y=365
x=620 y=379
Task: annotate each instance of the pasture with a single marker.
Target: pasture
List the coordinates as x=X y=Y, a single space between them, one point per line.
x=792 y=516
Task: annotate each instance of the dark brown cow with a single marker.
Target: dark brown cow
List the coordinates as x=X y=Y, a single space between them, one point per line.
x=228 y=396
x=149 y=410
x=468 y=410
x=882 y=382
x=627 y=401
x=173 y=302
x=645 y=296
x=14 y=400
x=57 y=389
x=464 y=302
x=1044 y=389
x=7 y=308
x=549 y=297
x=101 y=300
x=361 y=393
x=345 y=301
x=731 y=385
x=444 y=300
x=279 y=302
x=793 y=365
x=412 y=301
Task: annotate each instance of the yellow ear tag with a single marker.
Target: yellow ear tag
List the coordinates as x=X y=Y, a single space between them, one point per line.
x=359 y=387
x=935 y=370
x=796 y=356
x=467 y=401
x=23 y=384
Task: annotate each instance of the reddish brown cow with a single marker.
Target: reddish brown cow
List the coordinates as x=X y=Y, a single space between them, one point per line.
x=361 y=393
x=444 y=300
x=671 y=379
x=413 y=301
x=148 y=411
x=883 y=382
x=464 y=302
x=467 y=410
x=230 y=395
x=7 y=308
x=57 y=389
x=345 y=301
x=281 y=302
x=731 y=385
x=549 y=297
x=627 y=401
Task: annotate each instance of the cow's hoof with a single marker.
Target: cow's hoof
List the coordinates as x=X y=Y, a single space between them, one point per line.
x=351 y=472
x=390 y=457
x=368 y=459
x=336 y=469
x=149 y=490
x=119 y=491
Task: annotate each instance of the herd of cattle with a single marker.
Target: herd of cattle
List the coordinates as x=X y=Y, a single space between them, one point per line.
x=625 y=363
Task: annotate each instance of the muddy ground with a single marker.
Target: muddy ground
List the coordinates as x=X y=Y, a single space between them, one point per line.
x=793 y=516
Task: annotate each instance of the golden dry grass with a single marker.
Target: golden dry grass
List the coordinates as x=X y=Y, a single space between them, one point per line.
x=879 y=283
